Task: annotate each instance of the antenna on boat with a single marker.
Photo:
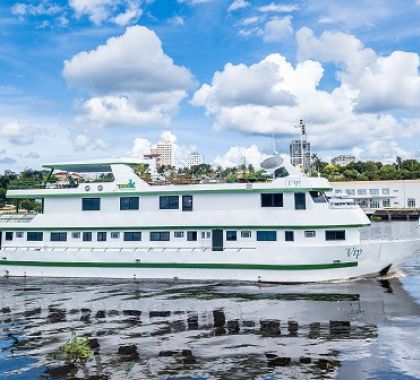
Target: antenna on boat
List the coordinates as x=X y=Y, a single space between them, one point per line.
x=274 y=145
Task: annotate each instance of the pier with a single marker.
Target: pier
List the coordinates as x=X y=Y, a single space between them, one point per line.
x=396 y=214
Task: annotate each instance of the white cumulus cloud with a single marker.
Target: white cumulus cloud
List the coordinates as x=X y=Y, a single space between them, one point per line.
x=278 y=8
x=272 y=95
x=99 y=11
x=238 y=4
x=131 y=80
x=377 y=83
x=277 y=29
x=238 y=155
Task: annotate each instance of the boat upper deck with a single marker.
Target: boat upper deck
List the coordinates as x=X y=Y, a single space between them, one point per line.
x=125 y=180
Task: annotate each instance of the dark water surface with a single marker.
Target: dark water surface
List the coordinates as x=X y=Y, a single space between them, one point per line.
x=365 y=329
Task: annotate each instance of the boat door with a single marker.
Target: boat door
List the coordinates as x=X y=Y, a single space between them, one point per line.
x=217 y=240
x=205 y=240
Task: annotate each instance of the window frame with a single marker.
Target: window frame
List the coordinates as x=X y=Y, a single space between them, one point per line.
x=179 y=233
x=75 y=235
x=100 y=236
x=171 y=205
x=335 y=232
x=129 y=205
x=310 y=234
x=298 y=206
x=8 y=236
x=35 y=233
x=187 y=207
x=87 y=236
x=114 y=235
x=132 y=234
x=264 y=235
x=231 y=235
x=272 y=200
x=192 y=236
x=91 y=208
x=289 y=235
x=166 y=234
x=243 y=233
x=58 y=236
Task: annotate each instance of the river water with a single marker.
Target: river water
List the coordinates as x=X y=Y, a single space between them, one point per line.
x=365 y=329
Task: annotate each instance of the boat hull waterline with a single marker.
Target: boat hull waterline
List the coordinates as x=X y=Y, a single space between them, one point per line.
x=265 y=264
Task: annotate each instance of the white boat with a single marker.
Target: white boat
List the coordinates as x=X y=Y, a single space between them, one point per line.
x=280 y=231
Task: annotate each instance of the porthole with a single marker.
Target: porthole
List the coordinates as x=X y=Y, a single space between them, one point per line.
x=87 y=187
x=100 y=187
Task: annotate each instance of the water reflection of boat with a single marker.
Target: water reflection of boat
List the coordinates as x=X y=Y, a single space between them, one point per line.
x=235 y=331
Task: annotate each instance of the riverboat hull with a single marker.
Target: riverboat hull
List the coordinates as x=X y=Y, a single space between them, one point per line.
x=264 y=264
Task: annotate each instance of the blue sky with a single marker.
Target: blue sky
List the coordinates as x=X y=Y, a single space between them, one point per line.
x=97 y=78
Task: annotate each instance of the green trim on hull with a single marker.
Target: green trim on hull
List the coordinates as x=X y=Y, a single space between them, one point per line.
x=160 y=228
x=163 y=192
x=136 y=265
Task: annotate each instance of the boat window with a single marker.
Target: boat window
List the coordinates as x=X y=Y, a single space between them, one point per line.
x=58 y=236
x=132 y=236
x=300 y=201
x=159 y=236
x=101 y=236
x=310 y=234
x=231 y=236
x=19 y=234
x=335 y=235
x=75 y=235
x=191 y=235
x=9 y=235
x=179 y=234
x=87 y=236
x=246 y=234
x=266 y=235
x=187 y=203
x=115 y=235
x=34 y=236
x=169 y=202
x=318 y=196
x=272 y=200
x=91 y=204
x=289 y=235
x=129 y=203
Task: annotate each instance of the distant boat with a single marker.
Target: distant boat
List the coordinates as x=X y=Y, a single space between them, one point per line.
x=280 y=231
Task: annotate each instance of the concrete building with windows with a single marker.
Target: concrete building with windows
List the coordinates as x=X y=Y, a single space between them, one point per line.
x=164 y=153
x=194 y=158
x=300 y=150
x=343 y=160
x=374 y=195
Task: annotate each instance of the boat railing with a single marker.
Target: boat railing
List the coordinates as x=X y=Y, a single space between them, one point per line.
x=16 y=218
x=119 y=249
x=332 y=205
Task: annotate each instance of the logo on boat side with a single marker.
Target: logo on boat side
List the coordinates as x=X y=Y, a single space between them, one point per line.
x=294 y=182
x=355 y=252
x=130 y=185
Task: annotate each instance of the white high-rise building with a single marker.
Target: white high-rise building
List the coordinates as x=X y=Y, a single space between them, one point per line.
x=165 y=150
x=343 y=160
x=194 y=158
x=300 y=150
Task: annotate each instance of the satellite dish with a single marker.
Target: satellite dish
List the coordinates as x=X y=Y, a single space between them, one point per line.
x=272 y=162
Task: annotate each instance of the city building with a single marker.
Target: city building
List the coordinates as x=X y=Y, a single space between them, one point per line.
x=300 y=150
x=379 y=194
x=343 y=159
x=194 y=158
x=165 y=150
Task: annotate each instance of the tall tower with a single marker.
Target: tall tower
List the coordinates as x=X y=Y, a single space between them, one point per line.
x=300 y=150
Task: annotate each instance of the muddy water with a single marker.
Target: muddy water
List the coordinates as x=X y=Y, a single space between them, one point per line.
x=174 y=330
